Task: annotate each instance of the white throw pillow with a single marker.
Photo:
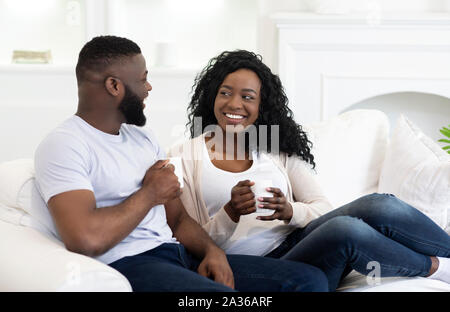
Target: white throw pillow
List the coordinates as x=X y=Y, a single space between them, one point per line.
x=13 y=175
x=417 y=170
x=349 y=150
x=20 y=201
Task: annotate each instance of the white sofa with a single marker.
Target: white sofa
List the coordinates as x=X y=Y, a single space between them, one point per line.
x=354 y=157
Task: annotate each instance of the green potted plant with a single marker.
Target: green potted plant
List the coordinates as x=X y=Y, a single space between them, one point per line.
x=446 y=131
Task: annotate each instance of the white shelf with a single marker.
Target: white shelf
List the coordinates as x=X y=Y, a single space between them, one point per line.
x=385 y=18
x=70 y=69
x=38 y=68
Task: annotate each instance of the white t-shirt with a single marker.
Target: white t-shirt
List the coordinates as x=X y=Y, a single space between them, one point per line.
x=78 y=156
x=251 y=237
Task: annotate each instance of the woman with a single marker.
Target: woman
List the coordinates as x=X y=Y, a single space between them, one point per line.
x=237 y=95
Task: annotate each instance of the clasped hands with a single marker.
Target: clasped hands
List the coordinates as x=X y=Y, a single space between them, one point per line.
x=243 y=202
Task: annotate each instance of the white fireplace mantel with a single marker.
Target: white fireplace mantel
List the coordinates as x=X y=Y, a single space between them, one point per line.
x=330 y=62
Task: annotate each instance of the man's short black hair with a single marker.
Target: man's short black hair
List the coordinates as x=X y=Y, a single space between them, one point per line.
x=101 y=52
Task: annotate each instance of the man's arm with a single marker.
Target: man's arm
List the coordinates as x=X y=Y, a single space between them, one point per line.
x=188 y=232
x=92 y=231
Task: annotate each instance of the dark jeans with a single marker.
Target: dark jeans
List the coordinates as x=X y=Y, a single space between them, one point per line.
x=376 y=227
x=169 y=267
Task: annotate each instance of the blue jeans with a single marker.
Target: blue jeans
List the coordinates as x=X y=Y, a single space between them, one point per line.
x=376 y=227
x=169 y=267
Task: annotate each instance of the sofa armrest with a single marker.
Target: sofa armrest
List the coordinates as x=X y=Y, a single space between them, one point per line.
x=32 y=261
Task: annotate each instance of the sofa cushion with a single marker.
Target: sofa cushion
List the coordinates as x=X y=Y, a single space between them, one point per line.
x=20 y=201
x=357 y=282
x=33 y=262
x=13 y=175
x=349 y=150
x=417 y=170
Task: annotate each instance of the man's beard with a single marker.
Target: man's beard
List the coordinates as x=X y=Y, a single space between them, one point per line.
x=132 y=108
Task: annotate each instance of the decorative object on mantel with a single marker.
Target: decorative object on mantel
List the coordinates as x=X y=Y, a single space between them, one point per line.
x=330 y=6
x=31 y=57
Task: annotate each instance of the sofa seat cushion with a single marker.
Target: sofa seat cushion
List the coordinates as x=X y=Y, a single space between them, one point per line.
x=356 y=282
x=36 y=262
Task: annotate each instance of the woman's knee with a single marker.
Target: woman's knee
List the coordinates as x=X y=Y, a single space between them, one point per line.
x=344 y=229
x=381 y=197
x=385 y=206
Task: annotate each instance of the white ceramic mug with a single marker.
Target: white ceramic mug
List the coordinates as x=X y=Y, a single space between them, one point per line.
x=259 y=189
x=176 y=162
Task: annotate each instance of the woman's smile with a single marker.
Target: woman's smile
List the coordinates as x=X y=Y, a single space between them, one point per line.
x=238 y=99
x=234 y=118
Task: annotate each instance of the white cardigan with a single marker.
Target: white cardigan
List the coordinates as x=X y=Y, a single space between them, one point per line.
x=304 y=192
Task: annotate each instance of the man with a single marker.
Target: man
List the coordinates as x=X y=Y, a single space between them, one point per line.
x=113 y=197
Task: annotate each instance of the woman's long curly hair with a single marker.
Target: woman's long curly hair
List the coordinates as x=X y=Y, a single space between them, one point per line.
x=273 y=108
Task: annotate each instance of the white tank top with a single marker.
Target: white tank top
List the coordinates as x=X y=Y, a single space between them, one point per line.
x=251 y=237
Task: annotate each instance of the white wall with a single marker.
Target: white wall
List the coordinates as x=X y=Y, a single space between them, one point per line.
x=42 y=25
x=33 y=101
x=198 y=29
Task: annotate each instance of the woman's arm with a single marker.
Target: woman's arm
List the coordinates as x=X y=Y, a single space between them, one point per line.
x=309 y=200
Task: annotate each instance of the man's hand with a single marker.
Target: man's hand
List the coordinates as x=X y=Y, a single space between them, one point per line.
x=188 y=232
x=215 y=266
x=160 y=183
x=90 y=231
x=242 y=200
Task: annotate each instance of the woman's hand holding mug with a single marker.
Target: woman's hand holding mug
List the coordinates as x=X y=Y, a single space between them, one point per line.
x=242 y=200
